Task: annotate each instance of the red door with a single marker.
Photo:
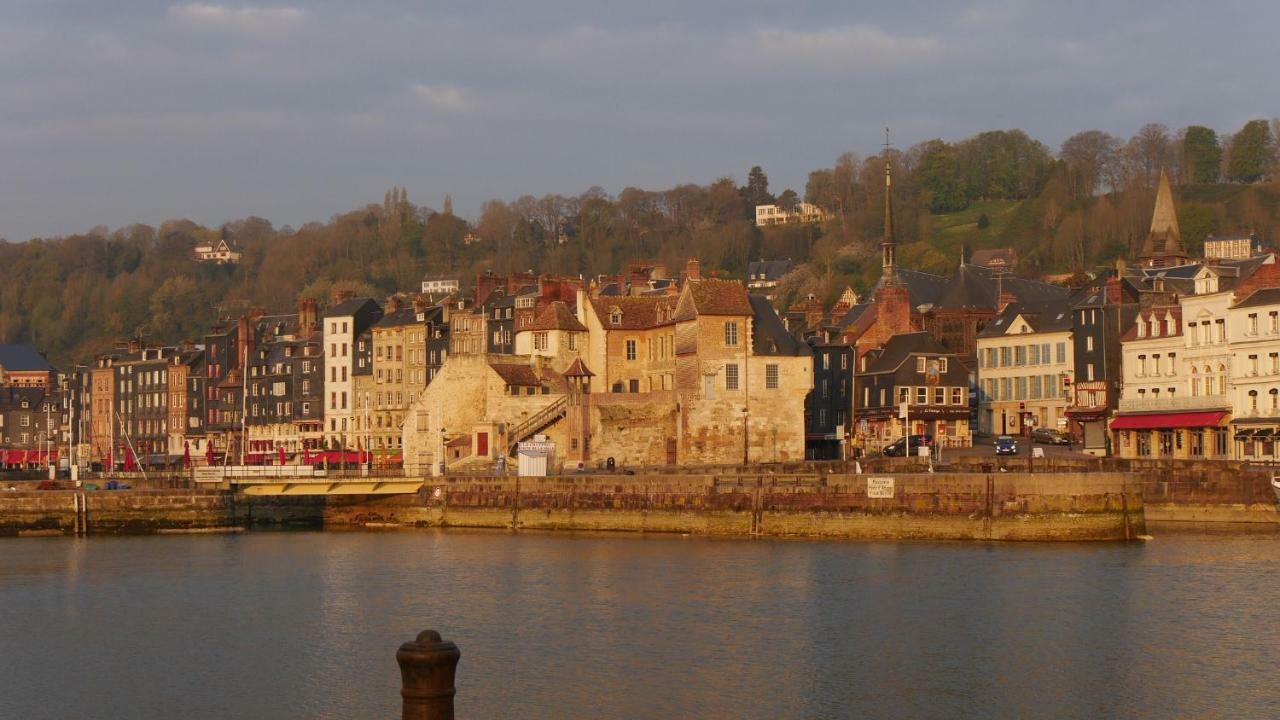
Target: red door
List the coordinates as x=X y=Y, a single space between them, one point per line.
x=482 y=444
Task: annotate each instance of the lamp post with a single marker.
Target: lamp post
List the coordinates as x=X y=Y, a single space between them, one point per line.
x=443 y=460
x=746 y=438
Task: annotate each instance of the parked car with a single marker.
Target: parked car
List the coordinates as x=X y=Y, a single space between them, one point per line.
x=1006 y=445
x=1049 y=436
x=898 y=448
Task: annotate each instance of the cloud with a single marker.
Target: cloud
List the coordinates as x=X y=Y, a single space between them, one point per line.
x=236 y=19
x=842 y=48
x=440 y=97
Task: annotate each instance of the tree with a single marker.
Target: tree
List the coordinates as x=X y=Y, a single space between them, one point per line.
x=1201 y=154
x=1089 y=157
x=1252 y=152
x=756 y=191
x=1149 y=152
x=938 y=173
x=788 y=200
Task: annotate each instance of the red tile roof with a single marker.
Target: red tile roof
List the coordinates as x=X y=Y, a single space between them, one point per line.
x=556 y=316
x=715 y=297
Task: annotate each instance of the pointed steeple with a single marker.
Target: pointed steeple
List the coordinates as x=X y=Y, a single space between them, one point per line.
x=1163 y=245
x=889 y=245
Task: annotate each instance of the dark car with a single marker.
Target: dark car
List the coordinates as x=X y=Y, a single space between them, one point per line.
x=899 y=447
x=1049 y=437
x=1006 y=445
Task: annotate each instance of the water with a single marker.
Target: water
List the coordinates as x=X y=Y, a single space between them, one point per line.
x=305 y=625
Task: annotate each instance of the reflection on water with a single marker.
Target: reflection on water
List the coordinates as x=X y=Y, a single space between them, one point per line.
x=557 y=626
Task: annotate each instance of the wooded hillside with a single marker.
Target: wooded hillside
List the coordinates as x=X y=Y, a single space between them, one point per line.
x=1070 y=211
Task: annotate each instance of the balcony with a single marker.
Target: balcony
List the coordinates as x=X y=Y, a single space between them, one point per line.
x=1170 y=404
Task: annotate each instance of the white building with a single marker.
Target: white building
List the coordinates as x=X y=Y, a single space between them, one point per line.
x=439 y=286
x=342 y=328
x=1254 y=335
x=221 y=253
x=804 y=212
x=1231 y=247
x=1025 y=369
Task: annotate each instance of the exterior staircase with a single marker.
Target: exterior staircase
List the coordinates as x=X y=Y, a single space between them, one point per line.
x=537 y=422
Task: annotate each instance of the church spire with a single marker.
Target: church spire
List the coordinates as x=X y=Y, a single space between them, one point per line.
x=889 y=245
x=1163 y=245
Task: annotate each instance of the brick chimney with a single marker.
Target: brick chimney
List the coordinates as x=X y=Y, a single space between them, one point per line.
x=1006 y=299
x=135 y=344
x=1115 y=293
x=693 y=269
x=307 y=322
x=391 y=305
x=419 y=304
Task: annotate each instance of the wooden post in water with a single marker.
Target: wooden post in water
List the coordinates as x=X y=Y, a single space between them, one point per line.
x=427 y=667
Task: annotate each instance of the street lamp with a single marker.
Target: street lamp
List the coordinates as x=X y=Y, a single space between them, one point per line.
x=443 y=460
x=746 y=438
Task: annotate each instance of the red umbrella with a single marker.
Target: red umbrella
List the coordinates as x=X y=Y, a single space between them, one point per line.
x=306 y=456
x=208 y=452
x=186 y=454
x=280 y=454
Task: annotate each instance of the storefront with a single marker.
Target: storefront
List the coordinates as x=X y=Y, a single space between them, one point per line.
x=1257 y=440
x=1185 y=435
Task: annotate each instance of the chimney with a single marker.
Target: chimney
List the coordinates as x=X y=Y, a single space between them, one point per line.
x=419 y=304
x=391 y=305
x=341 y=296
x=692 y=270
x=1006 y=299
x=135 y=344
x=1115 y=295
x=306 y=317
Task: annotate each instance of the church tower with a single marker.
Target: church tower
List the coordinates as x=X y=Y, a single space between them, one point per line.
x=1163 y=245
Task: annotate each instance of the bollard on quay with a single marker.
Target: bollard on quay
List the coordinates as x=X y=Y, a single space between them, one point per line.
x=427 y=667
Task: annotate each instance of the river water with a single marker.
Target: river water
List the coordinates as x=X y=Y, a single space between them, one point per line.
x=306 y=624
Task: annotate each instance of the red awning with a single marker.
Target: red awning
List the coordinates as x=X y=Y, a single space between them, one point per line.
x=1168 y=421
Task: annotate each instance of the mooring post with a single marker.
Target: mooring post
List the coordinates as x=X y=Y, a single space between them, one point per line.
x=427 y=667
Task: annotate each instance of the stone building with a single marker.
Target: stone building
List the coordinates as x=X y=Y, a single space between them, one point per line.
x=32 y=426
x=286 y=392
x=1163 y=245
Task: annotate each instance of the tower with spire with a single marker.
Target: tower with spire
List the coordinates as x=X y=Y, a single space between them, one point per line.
x=888 y=244
x=1163 y=244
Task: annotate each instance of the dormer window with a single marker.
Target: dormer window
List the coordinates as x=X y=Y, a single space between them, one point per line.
x=615 y=316
x=1142 y=329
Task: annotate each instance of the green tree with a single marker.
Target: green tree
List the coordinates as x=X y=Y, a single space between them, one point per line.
x=1201 y=154
x=756 y=191
x=788 y=200
x=938 y=174
x=1252 y=152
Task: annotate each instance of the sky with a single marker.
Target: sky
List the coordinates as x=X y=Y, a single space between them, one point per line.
x=113 y=113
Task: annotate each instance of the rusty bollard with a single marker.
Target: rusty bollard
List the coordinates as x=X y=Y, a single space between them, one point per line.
x=427 y=667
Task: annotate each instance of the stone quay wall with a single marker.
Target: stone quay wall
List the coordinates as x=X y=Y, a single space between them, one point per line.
x=1006 y=506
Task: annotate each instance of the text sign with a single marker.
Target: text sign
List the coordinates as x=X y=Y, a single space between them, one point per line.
x=880 y=487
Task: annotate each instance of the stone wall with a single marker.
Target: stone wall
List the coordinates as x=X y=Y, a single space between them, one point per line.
x=1097 y=506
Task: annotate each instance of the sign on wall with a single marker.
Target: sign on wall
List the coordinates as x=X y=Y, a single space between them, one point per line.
x=880 y=487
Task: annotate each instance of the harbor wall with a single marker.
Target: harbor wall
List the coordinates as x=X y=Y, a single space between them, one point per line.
x=1000 y=506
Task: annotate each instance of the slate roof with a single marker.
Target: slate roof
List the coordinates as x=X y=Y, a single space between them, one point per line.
x=925 y=288
x=768 y=269
x=556 y=316
x=1042 y=317
x=851 y=315
x=1262 y=296
x=11 y=397
x=770 y=336
x=900 y=347
x=348 y=307
x=21 y=357
x=401 y=317
x=1159 y=313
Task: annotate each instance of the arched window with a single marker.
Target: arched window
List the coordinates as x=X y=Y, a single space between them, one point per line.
x=1253 y=400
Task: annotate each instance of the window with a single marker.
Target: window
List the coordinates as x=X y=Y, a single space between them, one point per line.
x=904 y=394
x=1253 y=364
x=1222 y=330
x=615 y=316
x=939 y=396
x=1088 y=343
x=540 y=340
x=731 y=334
x=957 y=396
x=573 y=341
x=1061 y=352
x=771 y=376
x=922 y=395
x=1142 y=366
x=1275 y=362
x=1020 y=356
x=1274 y=317
x=920 y=364
x=1253 y=323
x=631 y=349
x=1004 y=357
x=731 y=376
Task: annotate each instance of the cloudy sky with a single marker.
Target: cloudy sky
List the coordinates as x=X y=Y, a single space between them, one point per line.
x=138 y=111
